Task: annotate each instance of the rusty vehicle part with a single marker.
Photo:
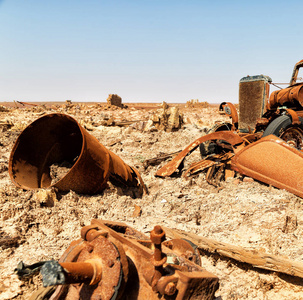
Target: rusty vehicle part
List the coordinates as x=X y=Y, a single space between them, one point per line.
x=287 y=129
x=230 y=110
x=210 y=147
x=267 y=140
x=295 y=72
x=114 y=261
x=269 y=159
x=273 y=161
x=233 y=140
x=217 y=168
x=56 y=138
x=253 y=98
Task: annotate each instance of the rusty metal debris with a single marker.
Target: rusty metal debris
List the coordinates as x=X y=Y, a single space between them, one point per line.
x=265 y=142
x=114 y=261
x=58 y=138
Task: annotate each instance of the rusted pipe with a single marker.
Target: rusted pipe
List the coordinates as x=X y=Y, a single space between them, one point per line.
x=55 y=138
x=88 y=272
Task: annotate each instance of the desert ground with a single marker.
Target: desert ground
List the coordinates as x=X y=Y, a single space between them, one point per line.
x=239 y=212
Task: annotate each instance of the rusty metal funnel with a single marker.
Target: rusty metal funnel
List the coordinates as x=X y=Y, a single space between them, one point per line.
x=57 y=137
x=272 y=161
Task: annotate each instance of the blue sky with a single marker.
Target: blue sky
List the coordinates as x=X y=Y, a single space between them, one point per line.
x=144 y=51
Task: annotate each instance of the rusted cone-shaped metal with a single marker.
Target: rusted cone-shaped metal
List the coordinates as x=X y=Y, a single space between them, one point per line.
x=57 y=138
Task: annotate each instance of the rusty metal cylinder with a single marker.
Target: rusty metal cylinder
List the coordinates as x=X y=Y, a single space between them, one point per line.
x=83 y=272
x=293 y=94
x=56 y=138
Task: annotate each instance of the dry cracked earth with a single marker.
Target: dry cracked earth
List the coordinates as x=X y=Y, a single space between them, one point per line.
x=240 y=212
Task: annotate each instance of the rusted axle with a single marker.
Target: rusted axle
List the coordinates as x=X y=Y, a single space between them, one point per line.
x=88 y=272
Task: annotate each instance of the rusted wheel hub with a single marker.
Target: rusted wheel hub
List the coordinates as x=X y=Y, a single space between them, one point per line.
x=294 y=137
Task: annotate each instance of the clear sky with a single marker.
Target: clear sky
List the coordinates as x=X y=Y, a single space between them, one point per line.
x=144 y=50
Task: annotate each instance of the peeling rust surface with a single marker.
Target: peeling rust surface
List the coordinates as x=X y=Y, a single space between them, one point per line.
x=57 y=137
x=118 y=266
x=273 y=161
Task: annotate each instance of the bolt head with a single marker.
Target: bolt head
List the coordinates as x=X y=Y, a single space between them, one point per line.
x=170 y=289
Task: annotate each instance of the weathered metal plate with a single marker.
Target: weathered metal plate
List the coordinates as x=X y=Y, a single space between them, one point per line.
x=273 y=161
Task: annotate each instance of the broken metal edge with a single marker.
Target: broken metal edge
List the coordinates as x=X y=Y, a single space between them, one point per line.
x=228 y=136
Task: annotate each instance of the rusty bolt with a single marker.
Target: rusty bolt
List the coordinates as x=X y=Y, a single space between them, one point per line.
x=89 y=233
x=157 y=235
x=170 y=289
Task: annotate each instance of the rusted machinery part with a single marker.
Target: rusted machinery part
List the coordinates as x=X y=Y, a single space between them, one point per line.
x=185 y=249
x=207 y=163
x=211 y=147
x=58 y=137
x=292 y=94
x=230 y=110
x=293 y=136
x=97 y=271
x=273 y=161
x=294 y=76
x=284 y=128
x=294 y=116
x=232 y=138
x=109 y=262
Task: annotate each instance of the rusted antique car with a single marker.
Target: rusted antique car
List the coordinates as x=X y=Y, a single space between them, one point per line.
x=264 y=141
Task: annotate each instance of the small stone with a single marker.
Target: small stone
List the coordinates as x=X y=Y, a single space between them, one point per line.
x=46 y=197
x=137 y=211
x=237 y=181
x=248 y=179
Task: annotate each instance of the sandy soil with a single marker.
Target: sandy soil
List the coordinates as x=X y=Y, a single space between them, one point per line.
x=248 y=214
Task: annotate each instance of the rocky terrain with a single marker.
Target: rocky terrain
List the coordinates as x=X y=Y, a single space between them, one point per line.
x=240 y=211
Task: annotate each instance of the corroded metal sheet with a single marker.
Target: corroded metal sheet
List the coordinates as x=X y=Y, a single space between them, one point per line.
x=273 y=161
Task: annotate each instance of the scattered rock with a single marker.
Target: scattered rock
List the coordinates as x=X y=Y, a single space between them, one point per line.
x=248 y=179
x=137 y=211
x=46 y=197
